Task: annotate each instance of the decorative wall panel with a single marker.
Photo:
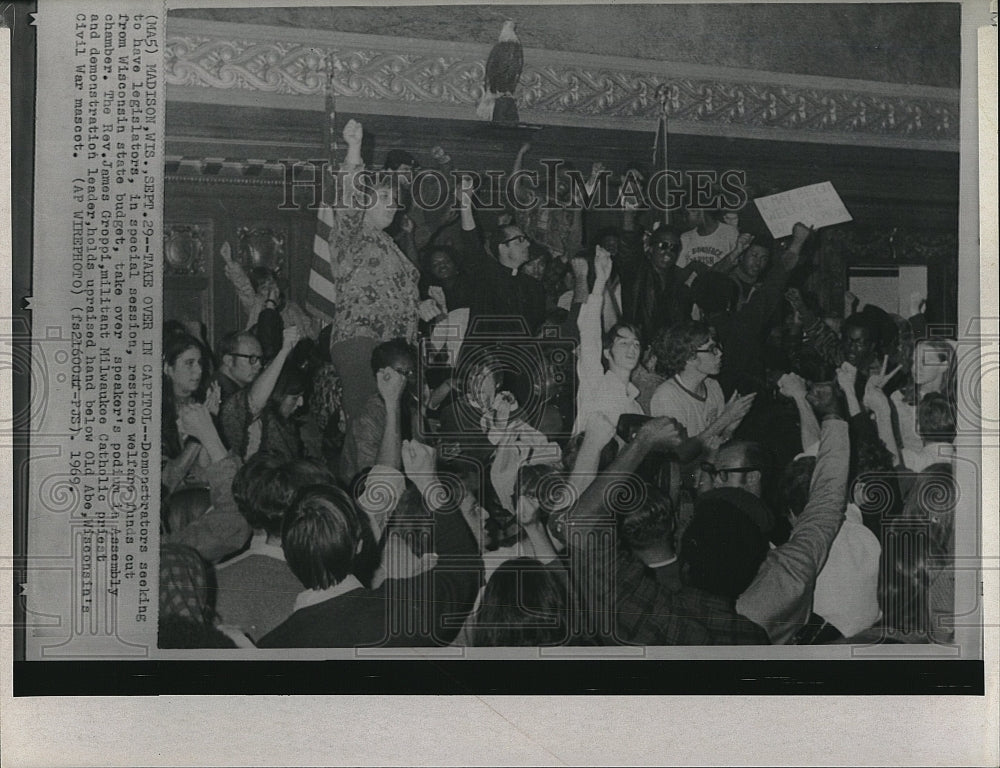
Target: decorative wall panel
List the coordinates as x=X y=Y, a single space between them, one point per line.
x=285 y=67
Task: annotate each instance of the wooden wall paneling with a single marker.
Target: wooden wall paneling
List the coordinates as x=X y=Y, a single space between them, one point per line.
x=912 y=192
x=232 y=205
x=188 y=287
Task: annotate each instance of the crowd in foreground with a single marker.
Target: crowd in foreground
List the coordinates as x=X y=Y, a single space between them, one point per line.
x=505 y=438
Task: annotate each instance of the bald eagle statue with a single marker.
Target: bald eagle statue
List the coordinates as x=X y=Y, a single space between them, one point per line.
x=503 y=71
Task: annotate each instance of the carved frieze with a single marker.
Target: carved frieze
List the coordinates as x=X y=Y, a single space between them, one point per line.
x=576 y=88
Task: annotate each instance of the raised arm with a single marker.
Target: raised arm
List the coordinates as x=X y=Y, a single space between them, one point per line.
x=263 y=385
x=878 y=403
x=241 y=283
x=755 y=314
x=173 y=471
x=780 y=597
x=518 y=166
x=598 y=432
x=346 y=219
x=590 y=523
x=391 y=385
x=589 y=365
x=222 y=530
x=455 y=585
x=728 y=262
x=406 y=241
x=471 y=251
x=793 y=386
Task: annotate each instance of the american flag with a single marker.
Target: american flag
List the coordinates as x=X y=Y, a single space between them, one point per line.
x=321 y=300
x=322 y=297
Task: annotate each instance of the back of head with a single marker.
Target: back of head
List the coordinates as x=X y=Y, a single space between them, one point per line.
x=278 y=488
x=182 y=633
x=910 y=560
x=650 y=524
x=268 y=331
x=524 y=603
x=291 y=381
x=794 y=487
x=249 y=480
x=389 y=352
x=320 y=536
x=395 y=158
x=741 y=500
x=721 y=550
x=931 y=501
x=715 y=293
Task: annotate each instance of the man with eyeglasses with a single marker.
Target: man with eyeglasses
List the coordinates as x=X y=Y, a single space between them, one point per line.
x=500 y=289
x=738 y=473
x=246 y=386
x=737 y=464
x=692 y=395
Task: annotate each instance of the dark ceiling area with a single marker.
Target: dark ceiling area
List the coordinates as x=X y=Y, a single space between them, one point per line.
x=911 y=43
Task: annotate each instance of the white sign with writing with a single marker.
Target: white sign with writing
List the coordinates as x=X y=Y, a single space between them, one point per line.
x=817 y=205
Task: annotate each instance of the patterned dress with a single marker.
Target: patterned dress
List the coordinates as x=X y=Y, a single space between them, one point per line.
x=376 y=284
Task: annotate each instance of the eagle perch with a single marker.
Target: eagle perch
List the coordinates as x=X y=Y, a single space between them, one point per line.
x=503 y=72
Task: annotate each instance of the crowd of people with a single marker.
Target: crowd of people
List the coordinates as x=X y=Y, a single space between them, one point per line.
x=541 y=428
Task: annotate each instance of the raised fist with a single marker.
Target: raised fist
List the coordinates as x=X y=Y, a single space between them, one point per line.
x=353 y=133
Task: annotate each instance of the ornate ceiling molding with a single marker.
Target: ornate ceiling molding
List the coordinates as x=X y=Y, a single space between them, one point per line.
x=283 y=67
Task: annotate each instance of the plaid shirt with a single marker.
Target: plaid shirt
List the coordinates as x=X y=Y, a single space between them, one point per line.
x=646 y=613
x=623 y=603
x=719 y=617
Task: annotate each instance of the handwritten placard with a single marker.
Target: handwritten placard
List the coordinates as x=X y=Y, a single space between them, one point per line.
x=817 y=205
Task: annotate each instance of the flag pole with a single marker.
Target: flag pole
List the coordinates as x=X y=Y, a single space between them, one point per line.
x=330 y=112
x=321 y=296
x=661 y=94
